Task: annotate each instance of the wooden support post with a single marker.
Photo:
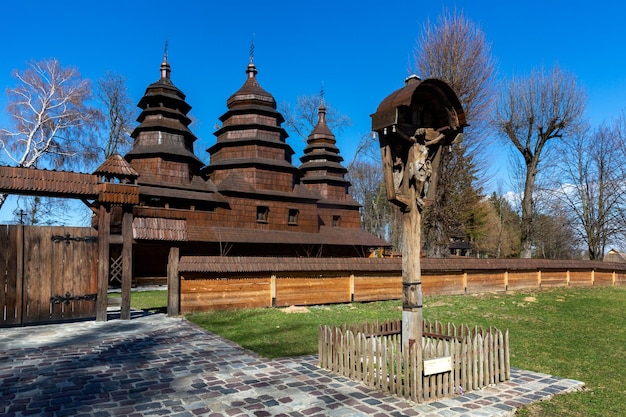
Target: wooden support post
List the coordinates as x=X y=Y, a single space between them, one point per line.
x=351 y=288
x=506 y=280
x=173 y=282
x=127 y=263
x=104 y=230
x=464 y=282
x=412 y=320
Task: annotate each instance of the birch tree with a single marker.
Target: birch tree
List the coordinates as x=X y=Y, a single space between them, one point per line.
x=49 y=112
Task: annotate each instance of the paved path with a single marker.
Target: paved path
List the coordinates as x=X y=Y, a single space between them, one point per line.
x=160 y=366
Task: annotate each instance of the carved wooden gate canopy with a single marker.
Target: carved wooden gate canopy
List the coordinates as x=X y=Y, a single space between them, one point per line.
x=112 y=184
x=63 y=184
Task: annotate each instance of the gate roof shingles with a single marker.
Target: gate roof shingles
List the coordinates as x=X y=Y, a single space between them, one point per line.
x=50 y=183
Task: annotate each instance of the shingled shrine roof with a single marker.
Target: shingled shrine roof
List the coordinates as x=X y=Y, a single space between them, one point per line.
x=115 y=166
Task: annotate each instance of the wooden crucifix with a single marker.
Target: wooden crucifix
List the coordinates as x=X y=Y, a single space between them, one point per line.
x=415 y=124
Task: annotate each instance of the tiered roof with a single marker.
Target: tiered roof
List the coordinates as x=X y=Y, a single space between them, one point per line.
x=321 y=164
x=250 y=197
x=162 y=154
x=163 y=123
x=251 y=141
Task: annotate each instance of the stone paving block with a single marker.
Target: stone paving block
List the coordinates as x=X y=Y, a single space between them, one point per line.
x=156 y=365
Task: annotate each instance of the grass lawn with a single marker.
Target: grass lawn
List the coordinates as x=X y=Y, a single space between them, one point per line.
x=571 y=333
x=153 y=301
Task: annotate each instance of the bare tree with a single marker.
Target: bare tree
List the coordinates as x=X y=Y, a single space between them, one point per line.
x=555 y=236
x=454 y=50
x=118 y=111
x=35 y=210
x=303 y=117
x=531 y=112
x=592 y=186
x=49 y=112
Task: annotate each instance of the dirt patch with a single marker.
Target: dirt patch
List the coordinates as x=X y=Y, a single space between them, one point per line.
x=530 y=299
x=439 y=304
x=295 y=310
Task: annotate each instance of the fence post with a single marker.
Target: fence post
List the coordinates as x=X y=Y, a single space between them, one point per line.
x=273 y=290
x=104 y=231
x=351 y=288
x=127 y=263
x=173 y=282
x=20 y=307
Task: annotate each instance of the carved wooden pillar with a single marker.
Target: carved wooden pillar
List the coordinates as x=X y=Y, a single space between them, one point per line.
x=411 y=277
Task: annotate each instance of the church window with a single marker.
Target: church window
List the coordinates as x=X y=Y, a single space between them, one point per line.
x=262 y=214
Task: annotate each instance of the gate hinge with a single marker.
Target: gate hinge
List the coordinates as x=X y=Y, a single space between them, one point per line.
x=58 y=299
x=68 y=239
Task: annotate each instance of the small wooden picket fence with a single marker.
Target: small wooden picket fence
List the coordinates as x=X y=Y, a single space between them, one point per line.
x=371 y=353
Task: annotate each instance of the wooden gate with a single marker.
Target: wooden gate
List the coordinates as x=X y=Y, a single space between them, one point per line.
x=47 y=274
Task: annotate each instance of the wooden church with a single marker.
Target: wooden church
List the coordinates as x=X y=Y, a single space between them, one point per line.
x=250 y=200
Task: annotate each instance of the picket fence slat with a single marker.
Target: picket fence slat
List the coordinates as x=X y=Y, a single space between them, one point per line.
x=371 y=353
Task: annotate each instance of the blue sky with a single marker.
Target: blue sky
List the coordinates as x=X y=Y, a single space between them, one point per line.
x=358 y=50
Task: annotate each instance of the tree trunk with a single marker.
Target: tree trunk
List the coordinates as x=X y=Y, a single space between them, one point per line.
x=527 y=211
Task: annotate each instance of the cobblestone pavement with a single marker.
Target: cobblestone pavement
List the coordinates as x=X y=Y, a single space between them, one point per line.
x=156 y=365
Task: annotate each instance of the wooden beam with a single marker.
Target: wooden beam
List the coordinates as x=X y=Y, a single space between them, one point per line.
x=127 y=263
x=173 y=282
x=412 y=278
x=104 y=229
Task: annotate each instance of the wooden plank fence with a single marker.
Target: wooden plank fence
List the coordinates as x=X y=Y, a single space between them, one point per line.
x=211 y=283
x=47 y=274
x=371 y=354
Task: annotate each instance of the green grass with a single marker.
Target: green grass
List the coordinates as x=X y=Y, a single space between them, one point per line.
x=153 y=301
x=571 y=333
x=273 y=333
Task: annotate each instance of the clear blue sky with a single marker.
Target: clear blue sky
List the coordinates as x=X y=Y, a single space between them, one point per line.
x=358 y=50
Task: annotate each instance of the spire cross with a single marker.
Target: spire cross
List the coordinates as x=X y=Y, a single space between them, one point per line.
x=165 y=67
x=252 y=50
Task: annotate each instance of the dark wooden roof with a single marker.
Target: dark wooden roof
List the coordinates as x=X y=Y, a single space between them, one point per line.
x=113 y=193
x=325 y=236
x=47 y=183
x=251 y=93
x=164 y=115
x=321 y=161
x=62 y=184
x=235 y=184
x=434 y=94
x=159 y=229
x=225 y=264
x=116 y=166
